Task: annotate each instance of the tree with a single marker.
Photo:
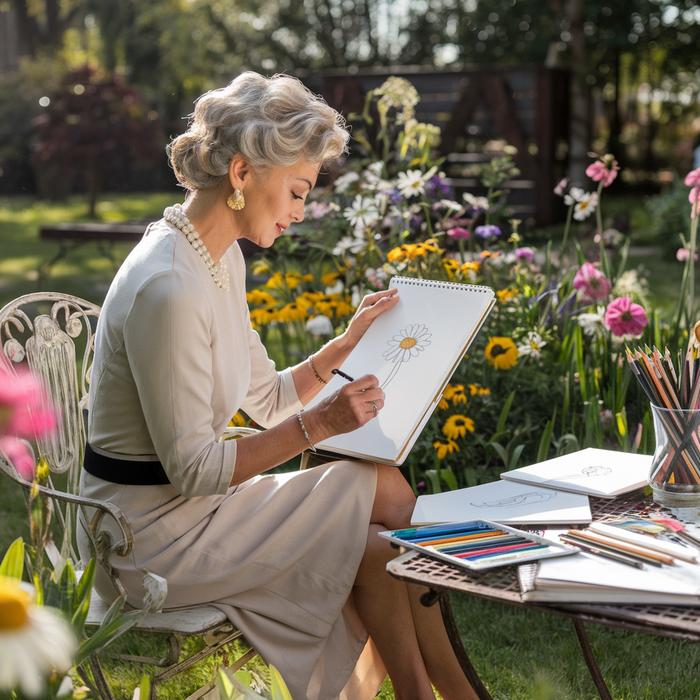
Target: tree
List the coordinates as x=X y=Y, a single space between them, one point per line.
x=93 y=125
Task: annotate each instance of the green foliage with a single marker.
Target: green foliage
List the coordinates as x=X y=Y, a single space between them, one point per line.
x=670 y=218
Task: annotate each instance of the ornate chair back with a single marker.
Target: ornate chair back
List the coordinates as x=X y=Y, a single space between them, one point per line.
x=53 y=335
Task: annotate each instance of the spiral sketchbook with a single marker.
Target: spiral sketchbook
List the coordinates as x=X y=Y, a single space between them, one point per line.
x=413 y=349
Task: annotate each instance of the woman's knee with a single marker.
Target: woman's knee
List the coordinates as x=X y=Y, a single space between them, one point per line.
x=394 y=499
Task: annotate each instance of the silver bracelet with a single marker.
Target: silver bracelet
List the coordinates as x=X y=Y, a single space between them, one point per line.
x=305 y=431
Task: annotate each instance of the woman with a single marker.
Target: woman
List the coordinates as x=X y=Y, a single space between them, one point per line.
x=293 y=559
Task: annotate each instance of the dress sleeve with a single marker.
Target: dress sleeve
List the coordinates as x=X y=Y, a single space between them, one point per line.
x=167 y=336
x=272 y=396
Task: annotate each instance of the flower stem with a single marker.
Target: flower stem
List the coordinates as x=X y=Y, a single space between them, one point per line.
x=691 y=261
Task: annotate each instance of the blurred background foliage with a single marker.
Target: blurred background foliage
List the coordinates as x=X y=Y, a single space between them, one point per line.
x=635 y=62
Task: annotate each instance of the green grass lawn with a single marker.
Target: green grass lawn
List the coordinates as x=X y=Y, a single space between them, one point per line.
x=522 y=655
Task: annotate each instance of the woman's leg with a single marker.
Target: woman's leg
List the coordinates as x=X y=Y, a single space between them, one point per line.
x=393 y=504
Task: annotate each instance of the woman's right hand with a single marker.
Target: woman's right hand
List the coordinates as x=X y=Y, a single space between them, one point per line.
x=348 y=409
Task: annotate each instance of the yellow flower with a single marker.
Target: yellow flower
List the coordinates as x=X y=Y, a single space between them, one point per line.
x=443 y=404
x=445 y=448
x=431 y=245
x=291 y=312
x=501 y=352
x=457 y=426
x=455 y=393
x=451 y=266
x=505 y=295
x=260 y=267
x=238 y=420
x=470 y=270
x=329 y=278
x=263 y=315
x=259 y=296
x=476 y=389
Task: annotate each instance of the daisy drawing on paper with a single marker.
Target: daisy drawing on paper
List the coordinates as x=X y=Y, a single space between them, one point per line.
x=408 y=343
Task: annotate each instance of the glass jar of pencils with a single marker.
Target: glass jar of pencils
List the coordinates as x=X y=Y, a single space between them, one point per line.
x=675 y=468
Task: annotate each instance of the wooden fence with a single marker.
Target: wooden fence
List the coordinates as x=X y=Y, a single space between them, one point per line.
x=478 y=111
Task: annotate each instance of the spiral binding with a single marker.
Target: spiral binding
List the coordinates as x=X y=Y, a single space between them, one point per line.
x=417 y=282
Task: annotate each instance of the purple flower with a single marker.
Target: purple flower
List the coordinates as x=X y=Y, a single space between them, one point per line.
x=394 y=195
x=459 y=232
x=487 y=231
x=623 y=317
x=526 y=254
x=437 y=187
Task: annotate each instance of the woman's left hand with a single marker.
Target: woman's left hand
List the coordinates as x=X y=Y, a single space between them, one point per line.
x=370 y=307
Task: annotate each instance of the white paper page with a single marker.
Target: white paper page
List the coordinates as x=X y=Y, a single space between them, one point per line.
x=597 y=472
x=680 y=579
x=439 y=320
x=504 y=502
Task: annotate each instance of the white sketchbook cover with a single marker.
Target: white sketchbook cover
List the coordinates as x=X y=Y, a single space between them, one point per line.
x=413 y=349
x=503 y=502
x=602 y=473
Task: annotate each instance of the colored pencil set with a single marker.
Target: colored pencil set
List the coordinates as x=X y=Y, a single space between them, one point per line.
x=674 y=391
x=475 y=544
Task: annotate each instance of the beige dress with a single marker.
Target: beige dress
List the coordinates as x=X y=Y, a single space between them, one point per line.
x=175 y=358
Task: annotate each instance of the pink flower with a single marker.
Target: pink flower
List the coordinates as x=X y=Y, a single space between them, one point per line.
x=18 y=455
x=591 y=282
x=24 y=408
x=624 y=317
x=525 y=253
x=683 y=254
x=692 y=179
x=694 y=195
x=459 y=232
x=600 y=171
x=561 y=187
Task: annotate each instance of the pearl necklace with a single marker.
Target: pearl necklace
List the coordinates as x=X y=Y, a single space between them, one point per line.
x=176 y=217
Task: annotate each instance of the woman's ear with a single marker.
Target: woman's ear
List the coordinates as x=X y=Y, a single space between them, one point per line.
x=238 y=171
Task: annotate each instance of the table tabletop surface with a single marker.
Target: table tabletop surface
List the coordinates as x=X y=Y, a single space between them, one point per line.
x=676 y=621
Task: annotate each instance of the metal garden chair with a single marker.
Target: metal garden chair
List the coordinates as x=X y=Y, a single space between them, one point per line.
x=54 y=335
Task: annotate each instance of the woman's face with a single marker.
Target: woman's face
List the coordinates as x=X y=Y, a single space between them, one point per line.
x=274 y=199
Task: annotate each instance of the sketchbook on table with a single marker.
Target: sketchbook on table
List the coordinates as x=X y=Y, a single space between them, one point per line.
x=413 y=350
x=602 y=473
x=503 y=502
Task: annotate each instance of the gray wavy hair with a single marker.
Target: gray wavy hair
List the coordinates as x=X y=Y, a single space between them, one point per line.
x=268 y=121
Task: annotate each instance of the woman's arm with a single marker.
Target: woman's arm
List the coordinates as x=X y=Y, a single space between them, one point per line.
x=333 y=353
x=346 y=410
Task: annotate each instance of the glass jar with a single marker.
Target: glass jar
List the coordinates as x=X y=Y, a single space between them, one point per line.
x=675 y=468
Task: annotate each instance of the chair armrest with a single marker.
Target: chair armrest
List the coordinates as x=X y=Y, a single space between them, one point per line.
x=121 y=548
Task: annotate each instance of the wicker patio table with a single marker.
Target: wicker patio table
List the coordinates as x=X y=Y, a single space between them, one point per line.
x=676 y=622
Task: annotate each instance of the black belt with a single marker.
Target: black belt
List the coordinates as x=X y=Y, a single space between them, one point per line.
x=124 y=471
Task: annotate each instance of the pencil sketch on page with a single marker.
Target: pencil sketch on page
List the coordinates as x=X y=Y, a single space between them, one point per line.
x=408 y=343
x=519 y=500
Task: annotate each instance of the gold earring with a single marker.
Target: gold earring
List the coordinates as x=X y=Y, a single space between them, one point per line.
x=236 y=201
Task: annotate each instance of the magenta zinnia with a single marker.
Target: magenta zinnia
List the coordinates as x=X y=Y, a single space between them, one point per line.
x=591 y=282
x=624 y=317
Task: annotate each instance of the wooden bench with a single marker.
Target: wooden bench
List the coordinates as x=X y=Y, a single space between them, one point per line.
x=71 y=236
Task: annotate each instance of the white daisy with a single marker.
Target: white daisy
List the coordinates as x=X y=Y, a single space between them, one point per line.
x=476 y=202
x=362 y=213
x=592 y=323
x=343 y=182
x=35 y=641
x=411 y=183
x=585 y=206
x=532 y=346
x=348 y=244
x=319 y=325
x=574 y=195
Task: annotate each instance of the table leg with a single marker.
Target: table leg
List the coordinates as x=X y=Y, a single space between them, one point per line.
x=453 y=633
x=589 y=658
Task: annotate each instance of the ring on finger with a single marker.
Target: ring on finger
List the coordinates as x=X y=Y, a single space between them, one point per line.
x=374 y=408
